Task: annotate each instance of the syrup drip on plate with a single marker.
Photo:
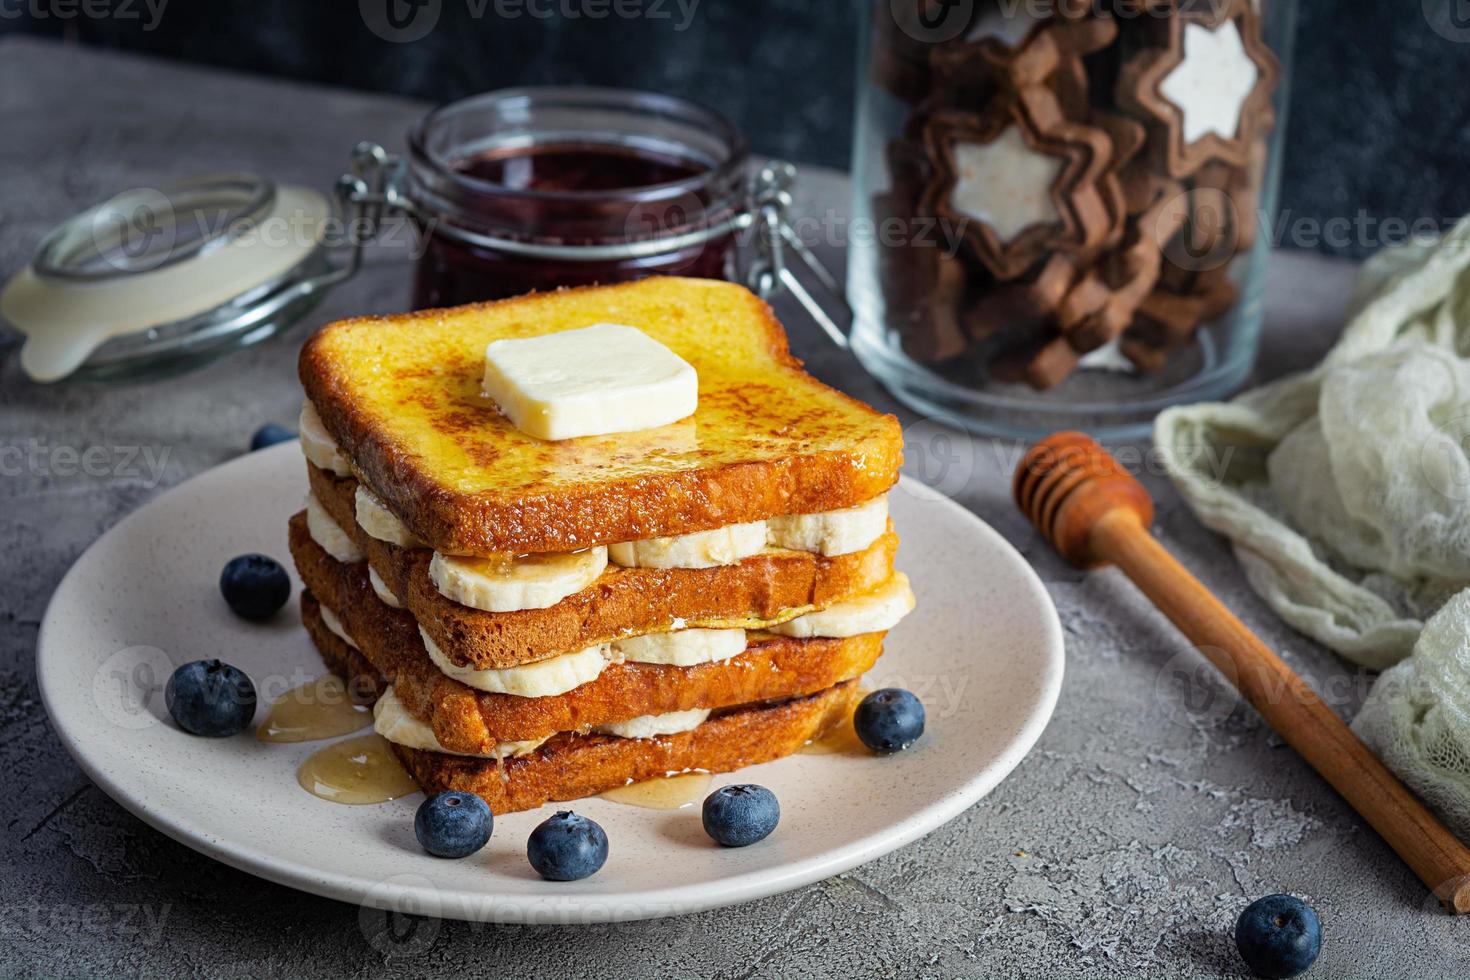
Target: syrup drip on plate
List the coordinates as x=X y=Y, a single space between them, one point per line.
x=665 y=793
x=317 y=709
x=841 y=738
x=357 y=771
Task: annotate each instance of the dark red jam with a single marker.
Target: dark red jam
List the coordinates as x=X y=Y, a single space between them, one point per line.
x=577 y=167
x=569 y=194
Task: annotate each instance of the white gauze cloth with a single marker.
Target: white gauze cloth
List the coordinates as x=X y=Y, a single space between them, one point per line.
x=1417 y=717
x=1345 y=492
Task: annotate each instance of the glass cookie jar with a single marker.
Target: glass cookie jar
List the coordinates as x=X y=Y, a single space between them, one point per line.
x=1070 y=201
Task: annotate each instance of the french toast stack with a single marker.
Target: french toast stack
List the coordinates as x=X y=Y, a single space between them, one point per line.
x=545 y=620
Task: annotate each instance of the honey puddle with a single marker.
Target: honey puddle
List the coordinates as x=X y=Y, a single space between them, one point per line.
x=841 y=738
x=357 y=771
x=666 y=793
x=317 y=709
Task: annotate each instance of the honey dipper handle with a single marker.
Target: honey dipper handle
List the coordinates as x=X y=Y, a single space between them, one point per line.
x=1291 y=707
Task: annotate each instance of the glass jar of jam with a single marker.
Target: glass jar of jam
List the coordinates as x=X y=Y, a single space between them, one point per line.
x=532 y=189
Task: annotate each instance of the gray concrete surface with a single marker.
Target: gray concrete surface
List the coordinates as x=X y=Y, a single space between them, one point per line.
x=1124 y=845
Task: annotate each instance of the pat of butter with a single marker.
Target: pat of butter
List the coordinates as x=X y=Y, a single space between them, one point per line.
x=589 y=382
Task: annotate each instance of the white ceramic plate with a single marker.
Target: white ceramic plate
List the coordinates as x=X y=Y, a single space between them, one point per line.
x=983 y=650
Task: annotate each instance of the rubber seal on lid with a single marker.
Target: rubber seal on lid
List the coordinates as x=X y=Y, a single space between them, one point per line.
x=154 y=278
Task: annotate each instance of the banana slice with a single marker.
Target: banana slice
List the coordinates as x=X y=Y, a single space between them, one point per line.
x=542 y=679
x=329 y=534
x=508 y=584
x=318 y=445
x=682 y=648
x=702 y=549
x=334 y=624
x=381 y=590
x=374 y=517
x=832 y=532
x=394 y=722
x=647 y=726
x=874 y=612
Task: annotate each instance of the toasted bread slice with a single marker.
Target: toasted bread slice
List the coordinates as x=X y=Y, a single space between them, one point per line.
x=571 y=766
x=401 y=395
x=760 y=591
x=467 y=720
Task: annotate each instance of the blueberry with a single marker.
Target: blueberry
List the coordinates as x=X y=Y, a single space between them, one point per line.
x=255 y=586
x=270 y=434
x=453 y=825
x=740 y=815
x=210 y=698
x=566 y=847
x=1278 y=936
x=889 y=720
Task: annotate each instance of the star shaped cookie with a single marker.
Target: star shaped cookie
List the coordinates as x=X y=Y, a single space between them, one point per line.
x=1021 y=179
x=1207 y=90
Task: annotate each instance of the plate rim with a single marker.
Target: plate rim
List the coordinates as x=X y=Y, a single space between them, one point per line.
x=424 y=898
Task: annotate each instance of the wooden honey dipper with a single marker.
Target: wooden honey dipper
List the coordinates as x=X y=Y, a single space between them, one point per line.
x=1094 y=513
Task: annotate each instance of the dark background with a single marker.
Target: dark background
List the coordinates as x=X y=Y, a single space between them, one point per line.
x=1379 y=117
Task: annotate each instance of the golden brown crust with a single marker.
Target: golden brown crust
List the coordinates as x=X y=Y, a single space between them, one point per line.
x=466 y=720
x=759 y=591
x=368 y=684
x=401 y=395
x=574 y=766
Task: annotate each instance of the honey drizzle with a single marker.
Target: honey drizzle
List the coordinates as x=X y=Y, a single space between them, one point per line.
x=671 y=792
x=315 y=710
x=841 y=738
x=356 y=771
x=500 y=766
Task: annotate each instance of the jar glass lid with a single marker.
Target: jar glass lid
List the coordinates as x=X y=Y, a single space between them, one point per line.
x=156 y=278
